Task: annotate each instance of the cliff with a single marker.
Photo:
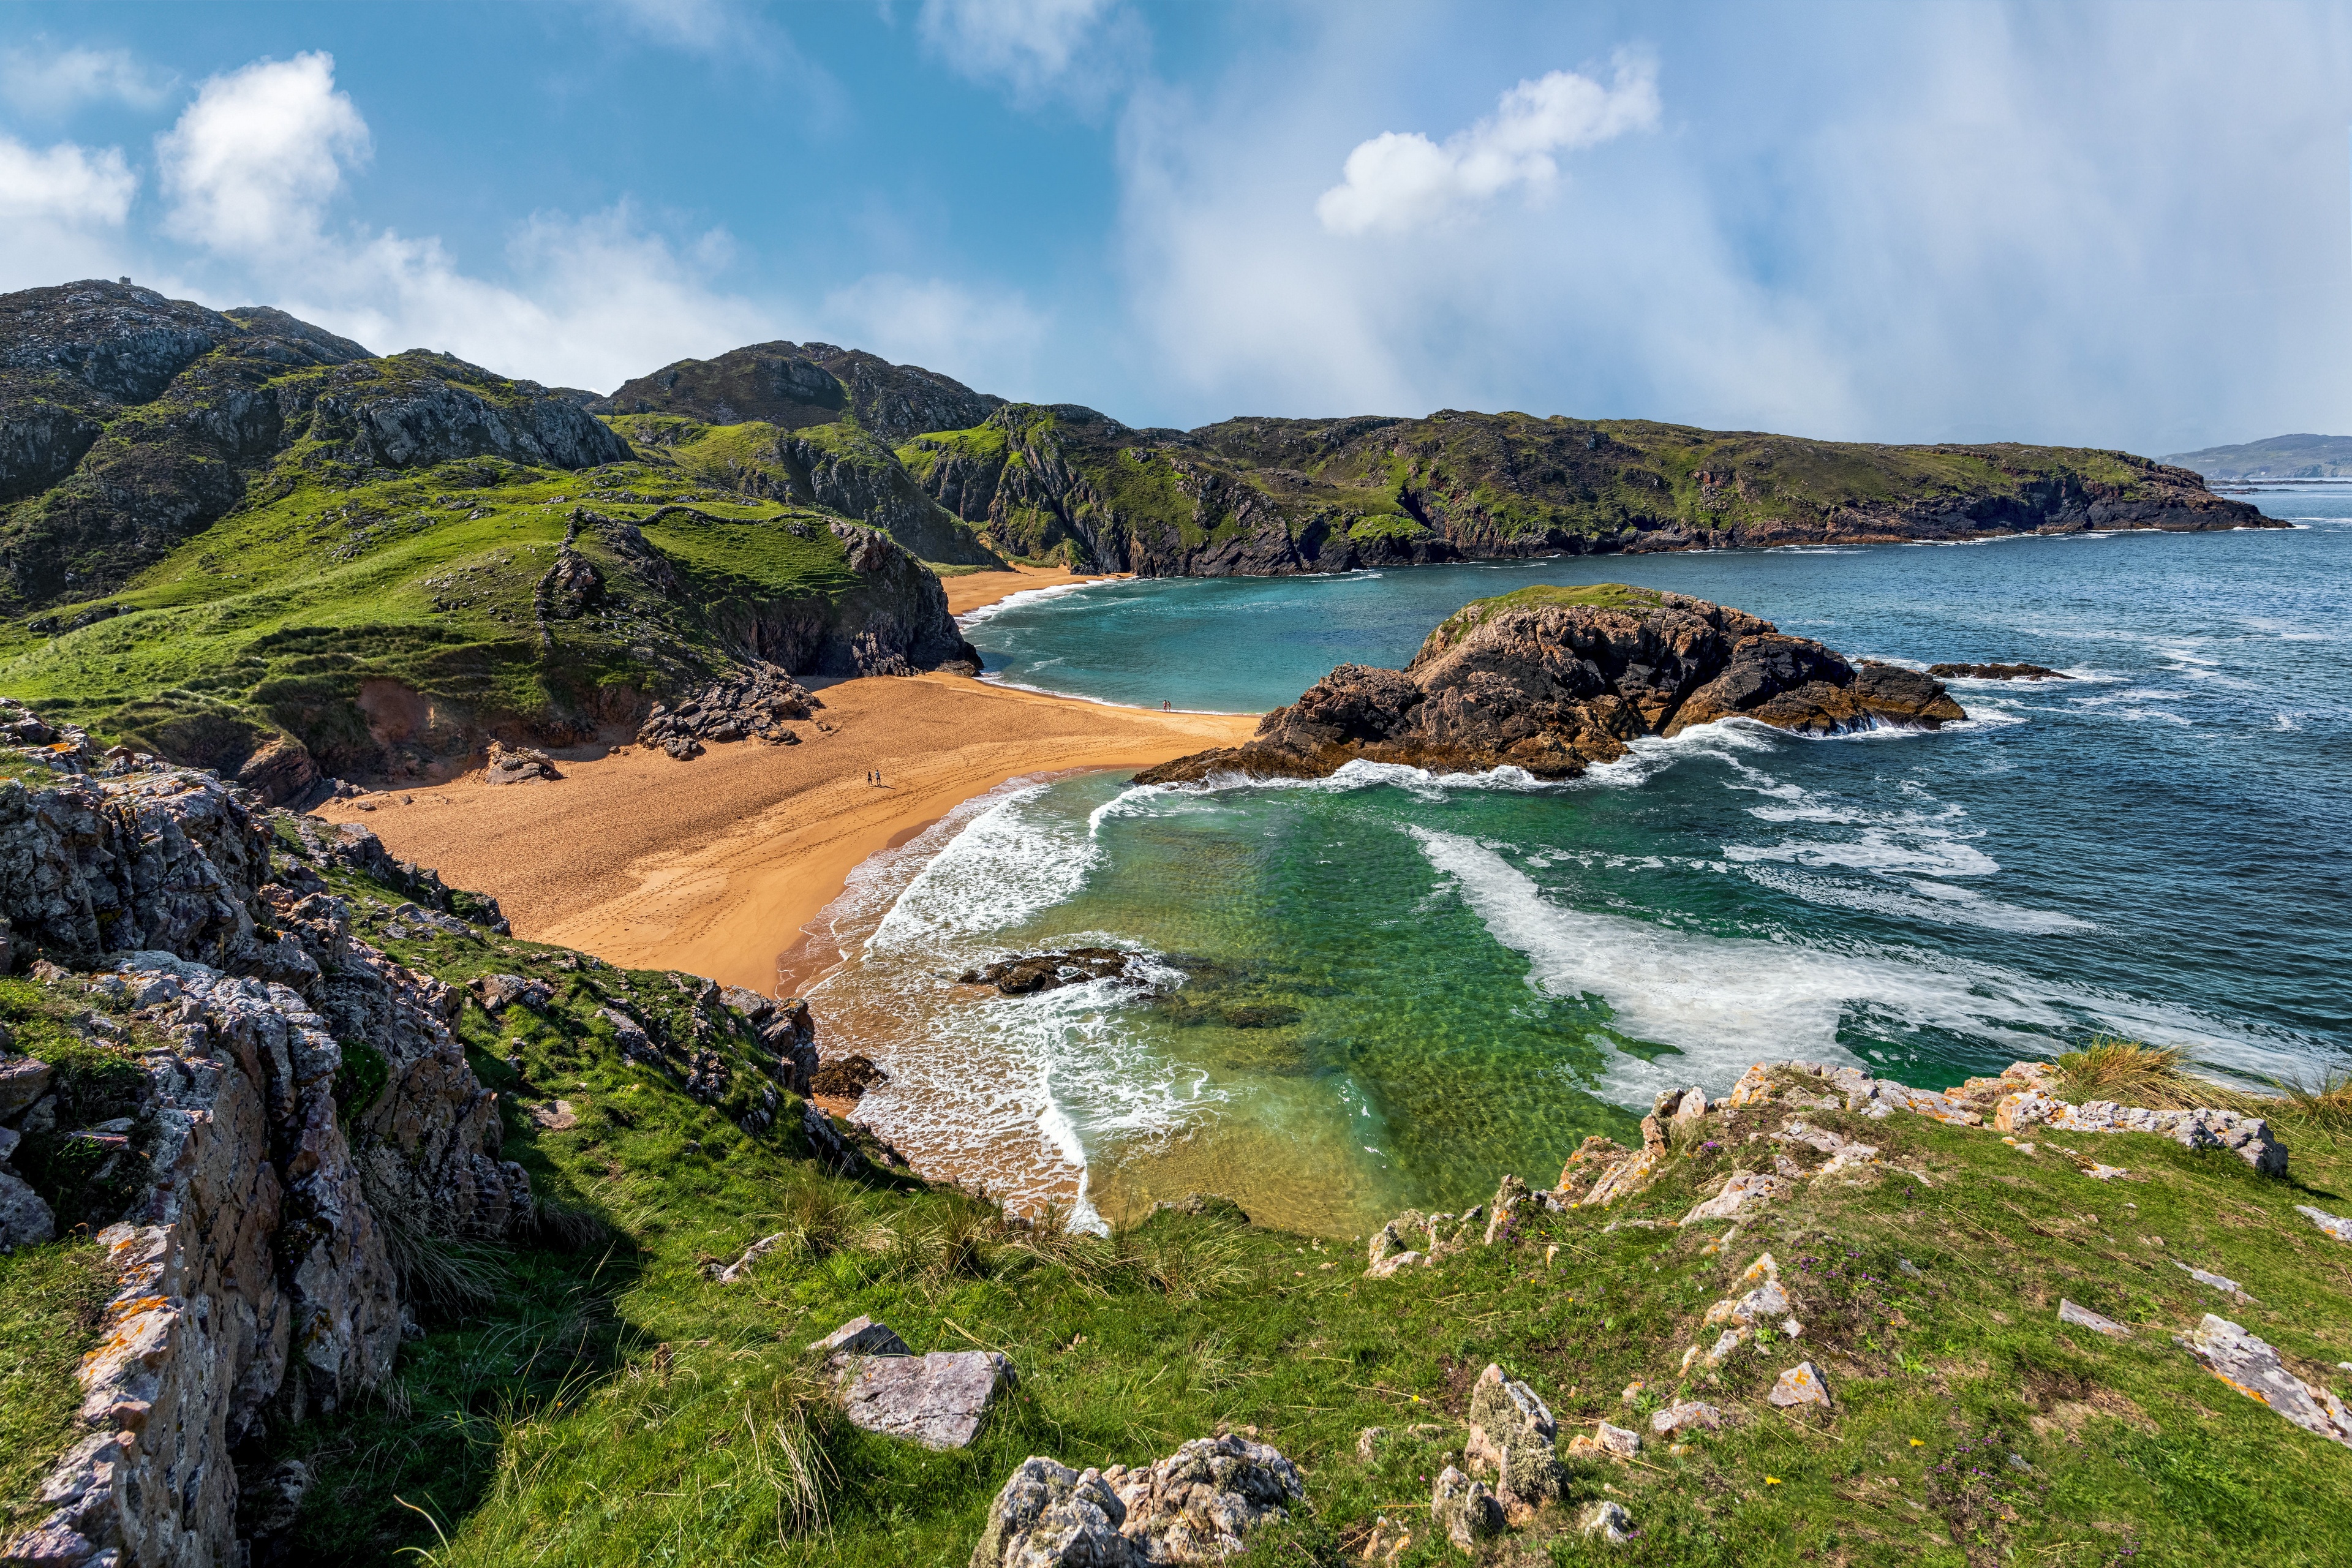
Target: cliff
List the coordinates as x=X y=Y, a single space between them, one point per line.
x=1554 y=679
x=1254 y=497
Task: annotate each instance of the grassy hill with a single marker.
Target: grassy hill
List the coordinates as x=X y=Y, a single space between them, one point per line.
x=2278 y=458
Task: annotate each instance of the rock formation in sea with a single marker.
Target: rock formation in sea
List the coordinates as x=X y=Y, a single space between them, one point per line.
x=1555 y=679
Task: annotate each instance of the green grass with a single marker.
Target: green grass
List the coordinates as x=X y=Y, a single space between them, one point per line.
x=1593 y=595
x=51 y=1301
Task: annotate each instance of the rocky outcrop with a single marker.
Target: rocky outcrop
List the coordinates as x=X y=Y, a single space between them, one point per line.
x=1027 y=974
x=518 y=764
x=1553 y=680
x=1200 y=1504
x=298 y=1119
x=757 y=702
x=414 y=409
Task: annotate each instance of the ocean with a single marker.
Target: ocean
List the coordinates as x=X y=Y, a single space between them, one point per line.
x=1387 y=989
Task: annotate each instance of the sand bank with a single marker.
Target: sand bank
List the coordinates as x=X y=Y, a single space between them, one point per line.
x=713 y=867
x=977 y=590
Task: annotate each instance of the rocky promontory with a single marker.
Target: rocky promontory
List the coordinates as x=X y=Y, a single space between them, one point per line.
x=1555 y=679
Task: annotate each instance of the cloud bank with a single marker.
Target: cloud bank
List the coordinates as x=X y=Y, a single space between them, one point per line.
x=1399 y=181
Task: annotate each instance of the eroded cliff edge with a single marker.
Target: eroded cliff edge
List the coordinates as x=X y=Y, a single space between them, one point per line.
x=1555 y=679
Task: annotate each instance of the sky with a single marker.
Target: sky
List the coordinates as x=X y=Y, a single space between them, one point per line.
x=2116 y=226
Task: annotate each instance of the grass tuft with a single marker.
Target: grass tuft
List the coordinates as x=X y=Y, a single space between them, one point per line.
x=2132 y=1073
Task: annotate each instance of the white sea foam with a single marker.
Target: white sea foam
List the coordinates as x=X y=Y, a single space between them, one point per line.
x=1725 y=1002
x=1936 y=902
x=1932 y=852
x=971 y=618
x=1004 y=866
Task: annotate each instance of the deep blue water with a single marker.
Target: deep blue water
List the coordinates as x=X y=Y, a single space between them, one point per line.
x=1394 y=987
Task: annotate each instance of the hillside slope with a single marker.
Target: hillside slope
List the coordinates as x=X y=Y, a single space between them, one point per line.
x=239 y=542
x=2278 y=458
x=1272 y=496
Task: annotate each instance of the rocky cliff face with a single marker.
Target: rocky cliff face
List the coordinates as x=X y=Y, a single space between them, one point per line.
x=1258 y=497
x=128 y=423
x=1553 y=680
x=255 y=1111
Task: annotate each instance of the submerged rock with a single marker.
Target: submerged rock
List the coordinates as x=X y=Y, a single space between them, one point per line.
x=1025 y=975
x=1555 y=679
x=1995 y=672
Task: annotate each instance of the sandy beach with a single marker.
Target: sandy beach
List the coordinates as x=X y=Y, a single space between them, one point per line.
x=978 y=590
x=713 y=866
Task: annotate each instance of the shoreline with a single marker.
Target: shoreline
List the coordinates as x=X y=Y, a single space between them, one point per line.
x=716 y=865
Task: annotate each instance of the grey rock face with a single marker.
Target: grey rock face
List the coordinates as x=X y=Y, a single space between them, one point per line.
x=417 y=409
x=936 y=1400
x=1200 y=1504
x=2252 y=1367
x=1050 y=1516
x=24 y=1219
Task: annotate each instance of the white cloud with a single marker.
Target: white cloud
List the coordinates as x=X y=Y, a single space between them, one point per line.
x=1027 y=44
x=252 y=163
x=1399 y=180
x=983 y=338
x=60 y=81
x=70 y=186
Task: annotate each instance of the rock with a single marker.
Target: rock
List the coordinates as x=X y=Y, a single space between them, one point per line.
x=1368 y=1443
x=1801 y=1384
x=1622 y=1442
x=271 y=1504
x=1393 y=1262
x=1201 y=1503
x=496 y=992
x=2083 y=1317
x=636 y=1045
x=24 y=1218
x=1023 y=976
x=1995 y=672
x=2252 y=1367
x=1610 y=1522
x=1592 y=1160
x=2216 y=1281
x=1686 y=1416
x=554 y=1116
x=1741 y=1189
x=859 y=1336
x=23 y=1079
x=1730 y=1340
x=1464 y=1510
x=1050 y=1516
x=2247 y=1137
x=518 y=764
x=1509 y=1194
x=758 y=701
x=846 y=1077
x=1552 y=681
x=1767 y=1300
x=1626 y=1176
x=2340 y=1228
x=1512 y=1431
x=936 y=1400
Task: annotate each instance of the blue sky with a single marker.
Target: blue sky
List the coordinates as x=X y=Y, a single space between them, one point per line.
x=2116 y=226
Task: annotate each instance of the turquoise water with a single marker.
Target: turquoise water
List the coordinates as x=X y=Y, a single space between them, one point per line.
x=1387 y=989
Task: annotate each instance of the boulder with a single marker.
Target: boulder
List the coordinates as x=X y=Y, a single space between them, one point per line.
x=1800 y=1386
x=23 y=1079
x=1609 y=1522
x=859 y=1336
x=936 y=1400
x=24 y=1218
x=1512 y=1432
x=1200 y=1503
x=518 y=764
x=2252 y=1367
x=2083 y=1317
x=1995 y=672
x=760 y=700
x=1023 y=976
x=1464 y=1510
x=1686 y=1416
x=1051 y=1516
x=846 y=1077
x=497 y=991
x=2333 y=1224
